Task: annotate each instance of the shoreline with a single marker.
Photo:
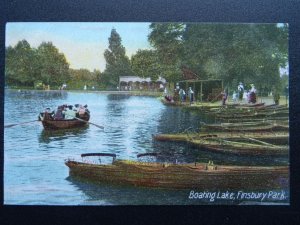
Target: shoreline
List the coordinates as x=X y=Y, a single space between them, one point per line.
x=268 y=100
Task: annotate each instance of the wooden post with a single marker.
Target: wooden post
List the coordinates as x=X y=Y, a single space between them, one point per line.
x=201 y=92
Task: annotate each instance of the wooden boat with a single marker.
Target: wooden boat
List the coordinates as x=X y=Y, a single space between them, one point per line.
x=239 y=120
x=181 y=176
x=277 y=138
x=253 y=115
x=223 y=145
x=172 y=102
x=247 y=126
x=232 y=145
x=250 y=105
x=49 y=122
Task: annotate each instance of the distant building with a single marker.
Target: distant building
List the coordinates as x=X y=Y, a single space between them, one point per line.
x=127 y=83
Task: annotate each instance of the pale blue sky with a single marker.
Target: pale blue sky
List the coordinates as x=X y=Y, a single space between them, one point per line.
x=82 y=43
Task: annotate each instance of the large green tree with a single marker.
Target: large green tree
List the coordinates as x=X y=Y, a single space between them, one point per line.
x=251 y=53
x=166 y=38
x=25 y=66
x=145 y=63
x=117 y=63
x=20 y=64
x=54 y=68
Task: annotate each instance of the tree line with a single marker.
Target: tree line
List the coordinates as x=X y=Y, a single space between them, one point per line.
x=248 y=53
x=29 y=67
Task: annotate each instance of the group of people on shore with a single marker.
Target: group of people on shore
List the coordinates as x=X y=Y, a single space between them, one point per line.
x=239 y=95
x=242 y=94
x=180 y=95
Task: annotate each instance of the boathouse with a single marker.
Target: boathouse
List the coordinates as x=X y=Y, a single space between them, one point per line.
x=204 y=90
x=127 y=83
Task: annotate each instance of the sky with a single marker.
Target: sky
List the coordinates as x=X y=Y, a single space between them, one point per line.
x=82 y=43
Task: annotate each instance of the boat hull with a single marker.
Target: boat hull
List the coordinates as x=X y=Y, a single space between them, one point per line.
x=63 y=124
x=183 y=176
x=52 y=124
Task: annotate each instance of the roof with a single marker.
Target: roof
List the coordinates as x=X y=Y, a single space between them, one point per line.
x=194 y=81
x=139 y=79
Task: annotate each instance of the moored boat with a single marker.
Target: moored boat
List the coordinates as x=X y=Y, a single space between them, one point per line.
x=232 y=144
x=247 y=126
x=277 y=138
x=181 y=176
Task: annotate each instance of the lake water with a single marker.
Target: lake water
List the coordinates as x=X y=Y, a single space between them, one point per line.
x=34 y=169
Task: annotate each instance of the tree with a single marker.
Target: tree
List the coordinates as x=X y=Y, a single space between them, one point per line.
x=145 y=63
x=251 y=53
x=54 y=68
x=166 y=38
x=81 y=77
x=20 y=64
x=117 y=63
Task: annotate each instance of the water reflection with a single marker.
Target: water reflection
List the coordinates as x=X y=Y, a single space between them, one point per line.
x=28 y=94
x=105 y=194
x=48 y=136
x=117 y=97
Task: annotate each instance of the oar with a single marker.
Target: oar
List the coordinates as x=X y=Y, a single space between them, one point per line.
x=89 y=122
x=15 y=124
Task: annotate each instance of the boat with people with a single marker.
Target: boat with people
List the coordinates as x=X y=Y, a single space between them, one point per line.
x=65 y=117
x=179 y=176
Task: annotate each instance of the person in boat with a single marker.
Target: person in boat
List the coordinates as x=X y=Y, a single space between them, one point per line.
x=252 y=94
x=81 y=110
x=59 y=113
x=48 y=114
x=69 y=113
x=240 y=91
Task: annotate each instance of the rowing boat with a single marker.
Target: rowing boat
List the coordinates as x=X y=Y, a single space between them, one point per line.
x=279 y=138
x=231 y=145
x=247 y=126
x=181 y=176
x=50 y=122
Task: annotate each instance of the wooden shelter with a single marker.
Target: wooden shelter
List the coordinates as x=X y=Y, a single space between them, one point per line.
x=204 y=90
